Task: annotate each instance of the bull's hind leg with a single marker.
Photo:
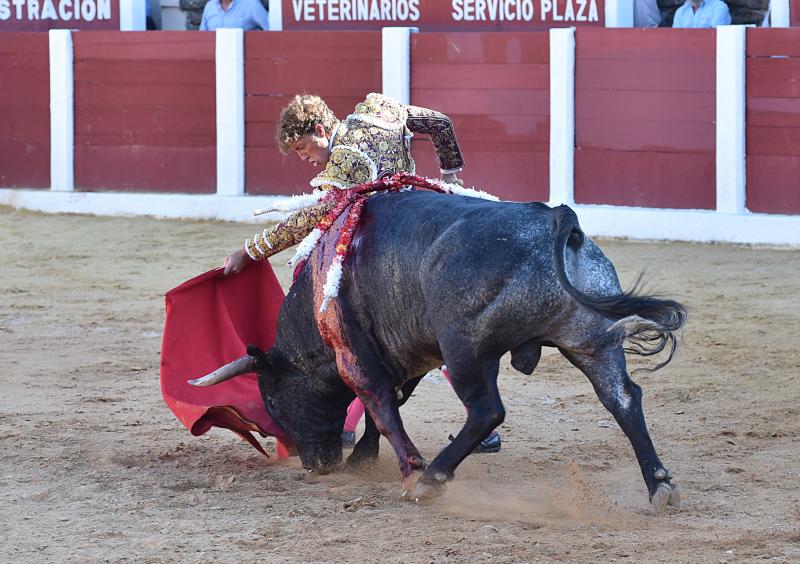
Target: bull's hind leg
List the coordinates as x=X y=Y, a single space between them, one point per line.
x=475 y=382
x=606 y=369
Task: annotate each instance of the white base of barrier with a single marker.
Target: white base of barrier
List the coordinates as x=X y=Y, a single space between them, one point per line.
x=605 y=221
x=703 y=226
x=185 y=206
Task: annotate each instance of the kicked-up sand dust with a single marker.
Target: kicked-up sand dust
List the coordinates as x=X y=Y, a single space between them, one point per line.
x=94 y=467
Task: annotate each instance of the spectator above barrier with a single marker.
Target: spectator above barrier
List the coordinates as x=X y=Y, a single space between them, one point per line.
x=244 y=14
x=697 y=14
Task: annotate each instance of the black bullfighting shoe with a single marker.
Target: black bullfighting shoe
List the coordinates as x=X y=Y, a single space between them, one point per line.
x=490 y=444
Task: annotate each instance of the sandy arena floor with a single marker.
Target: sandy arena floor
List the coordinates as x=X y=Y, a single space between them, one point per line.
x=94 y=466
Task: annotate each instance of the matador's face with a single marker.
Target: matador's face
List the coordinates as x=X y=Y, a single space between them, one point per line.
x=314 y=147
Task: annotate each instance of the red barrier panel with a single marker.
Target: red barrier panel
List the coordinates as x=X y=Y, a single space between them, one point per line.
x=145 y=112
x=342 y=67
x=24 y=110
x=773 y=120
x=644 y=117
x=496 y=88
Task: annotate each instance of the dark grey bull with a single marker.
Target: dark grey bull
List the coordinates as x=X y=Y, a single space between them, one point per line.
x=436 y=279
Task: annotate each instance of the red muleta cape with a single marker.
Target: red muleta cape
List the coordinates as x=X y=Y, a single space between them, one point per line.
x=210 y=321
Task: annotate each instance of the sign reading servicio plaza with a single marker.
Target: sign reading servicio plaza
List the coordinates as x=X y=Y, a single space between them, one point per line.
x=41 y=15
x=441 y=15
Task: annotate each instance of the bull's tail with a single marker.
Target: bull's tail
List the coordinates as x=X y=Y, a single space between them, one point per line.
x=652 y=324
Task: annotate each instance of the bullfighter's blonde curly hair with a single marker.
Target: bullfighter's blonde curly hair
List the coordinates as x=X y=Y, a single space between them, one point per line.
x=300 y=117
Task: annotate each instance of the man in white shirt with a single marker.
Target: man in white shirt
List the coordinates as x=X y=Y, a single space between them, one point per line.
x=244 y=14
x=698 y=14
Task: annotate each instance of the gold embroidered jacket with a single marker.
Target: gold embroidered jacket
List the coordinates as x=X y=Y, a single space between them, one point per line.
x=374 y=142
x=371 y=143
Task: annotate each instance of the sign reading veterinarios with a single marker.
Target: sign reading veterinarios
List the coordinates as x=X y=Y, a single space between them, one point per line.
x=41 y=15
x=441 y=15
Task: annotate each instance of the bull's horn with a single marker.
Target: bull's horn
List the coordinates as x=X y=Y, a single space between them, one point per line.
x=241 y=365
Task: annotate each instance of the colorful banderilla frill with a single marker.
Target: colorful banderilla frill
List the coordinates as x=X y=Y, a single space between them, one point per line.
x=339 y=200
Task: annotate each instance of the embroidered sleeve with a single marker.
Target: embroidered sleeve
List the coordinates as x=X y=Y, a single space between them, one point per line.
x=347 y=166
x=287 y=233
x=440 y=128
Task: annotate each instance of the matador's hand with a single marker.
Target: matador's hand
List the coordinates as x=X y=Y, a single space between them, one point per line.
x=236 y=262
x=451 y=178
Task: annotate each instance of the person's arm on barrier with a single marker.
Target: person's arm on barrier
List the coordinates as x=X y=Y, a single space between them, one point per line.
x=205 y=16
x=259 y=15
x=720 y=15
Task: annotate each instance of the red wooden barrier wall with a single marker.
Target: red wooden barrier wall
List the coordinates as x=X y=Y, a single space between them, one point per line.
x=145 y=111
x=24 y=110
x=644 y=117
x=773 y=120
x=496 y=88
x=342 y=67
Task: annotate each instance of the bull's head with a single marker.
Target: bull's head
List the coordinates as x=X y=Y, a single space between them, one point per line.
x=310 y=411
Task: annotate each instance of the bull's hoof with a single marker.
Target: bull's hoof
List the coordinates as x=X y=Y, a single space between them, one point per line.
x=426 y=491
x=361 y=458
x=675 y=496
x=409 y=483
x=660 y=498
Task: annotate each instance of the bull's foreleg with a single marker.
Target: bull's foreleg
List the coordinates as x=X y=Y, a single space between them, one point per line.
x=606 y=369
x=382 y=406
x=475 y=382
x=361 y=370
x=367 y=448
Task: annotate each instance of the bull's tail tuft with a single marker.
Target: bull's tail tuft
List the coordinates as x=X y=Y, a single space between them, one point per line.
x=652 y=324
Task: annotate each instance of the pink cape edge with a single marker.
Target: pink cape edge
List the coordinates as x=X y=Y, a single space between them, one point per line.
x=210 y=321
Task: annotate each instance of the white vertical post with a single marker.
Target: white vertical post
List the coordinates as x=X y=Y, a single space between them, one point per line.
x=619 y=13
x=276 y=15
x=779 y=13
x=731 y=118
x=396 y=62
x=132 y=15
x=230 y=111
x=62 y=113
x=562 y=116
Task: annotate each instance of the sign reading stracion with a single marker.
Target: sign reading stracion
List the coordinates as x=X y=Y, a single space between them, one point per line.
x=41 y=15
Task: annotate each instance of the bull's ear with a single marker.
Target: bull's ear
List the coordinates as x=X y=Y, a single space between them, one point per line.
x=262 y=358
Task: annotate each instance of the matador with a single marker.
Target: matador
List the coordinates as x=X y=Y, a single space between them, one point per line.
x=371 y=143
